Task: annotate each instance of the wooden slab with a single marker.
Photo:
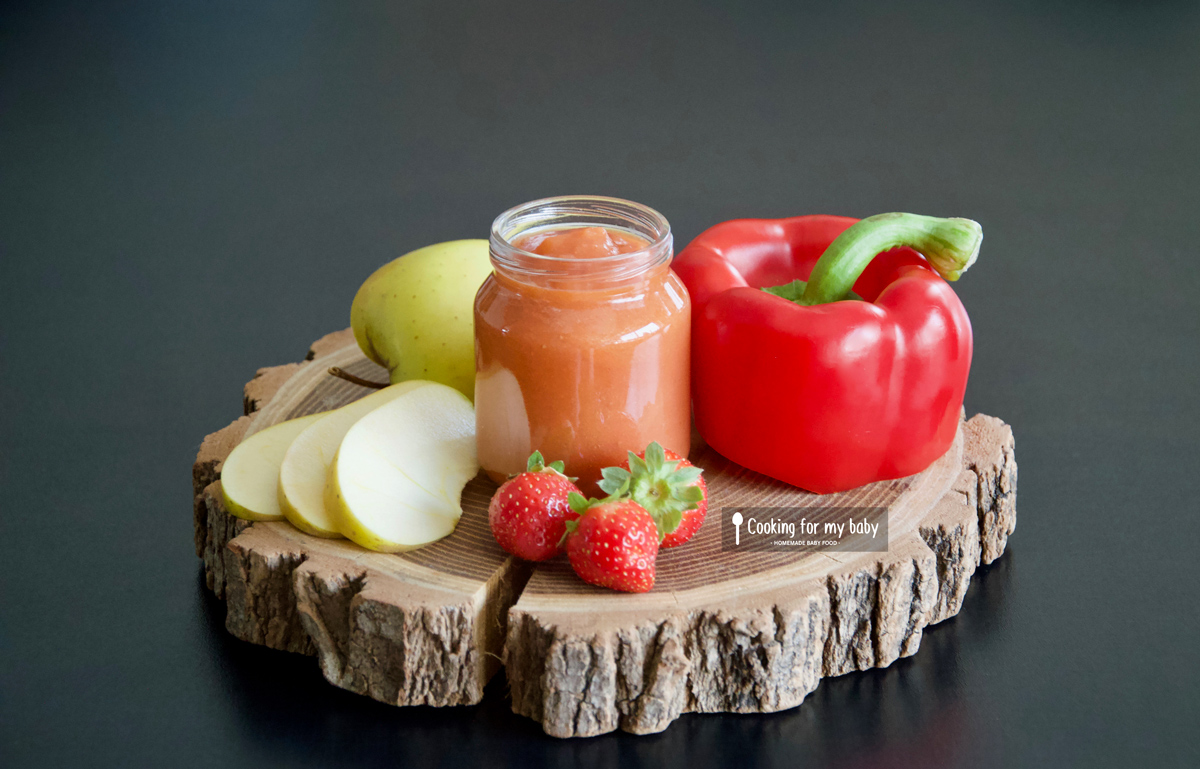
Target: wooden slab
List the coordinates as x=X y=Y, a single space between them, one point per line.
x=722 y=631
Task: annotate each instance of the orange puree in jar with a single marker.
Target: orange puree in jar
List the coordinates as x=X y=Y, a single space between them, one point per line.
x=582 y=338
x=581 y=242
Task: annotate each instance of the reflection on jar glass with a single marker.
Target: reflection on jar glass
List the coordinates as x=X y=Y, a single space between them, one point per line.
x=580 y=353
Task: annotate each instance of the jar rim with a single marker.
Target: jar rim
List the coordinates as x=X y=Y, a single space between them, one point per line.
x=581 y=210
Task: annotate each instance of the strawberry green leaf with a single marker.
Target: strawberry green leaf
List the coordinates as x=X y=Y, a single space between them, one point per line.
x=615 y=478
x=618 y=474
x=577 y=502
x=667 y=522
x=685 y=475
x=537 y=464
x=570 y=527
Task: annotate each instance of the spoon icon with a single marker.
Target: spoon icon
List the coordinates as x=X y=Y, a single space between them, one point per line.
x=737 y=522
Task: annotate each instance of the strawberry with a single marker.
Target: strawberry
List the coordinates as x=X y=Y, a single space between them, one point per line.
x=668 y=486
x=613 y=543
x=528 y=513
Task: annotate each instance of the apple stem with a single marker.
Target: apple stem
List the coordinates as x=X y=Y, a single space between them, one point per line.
x=337 y=372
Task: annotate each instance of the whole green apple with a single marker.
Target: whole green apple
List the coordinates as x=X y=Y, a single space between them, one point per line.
x=415 y=315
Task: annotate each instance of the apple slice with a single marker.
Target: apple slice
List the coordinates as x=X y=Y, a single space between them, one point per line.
x=306 y=464
x=398 y=476
x=250 y=475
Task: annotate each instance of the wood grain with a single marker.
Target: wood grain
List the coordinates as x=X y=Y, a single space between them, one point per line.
x=722 y=631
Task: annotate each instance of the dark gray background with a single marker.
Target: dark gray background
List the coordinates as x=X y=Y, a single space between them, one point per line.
x=189 y=191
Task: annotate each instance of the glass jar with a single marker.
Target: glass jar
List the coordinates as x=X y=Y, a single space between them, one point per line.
x=581 y=359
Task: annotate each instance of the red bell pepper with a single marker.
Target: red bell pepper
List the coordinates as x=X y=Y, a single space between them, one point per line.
x=828 y=353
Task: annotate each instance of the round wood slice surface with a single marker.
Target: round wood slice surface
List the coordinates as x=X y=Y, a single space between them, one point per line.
x=722 y=630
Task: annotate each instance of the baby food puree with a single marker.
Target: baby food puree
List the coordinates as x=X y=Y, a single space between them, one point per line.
x=580 y=242
x=581 y=338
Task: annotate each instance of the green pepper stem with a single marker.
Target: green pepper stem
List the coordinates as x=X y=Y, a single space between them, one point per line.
x=950 y=245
